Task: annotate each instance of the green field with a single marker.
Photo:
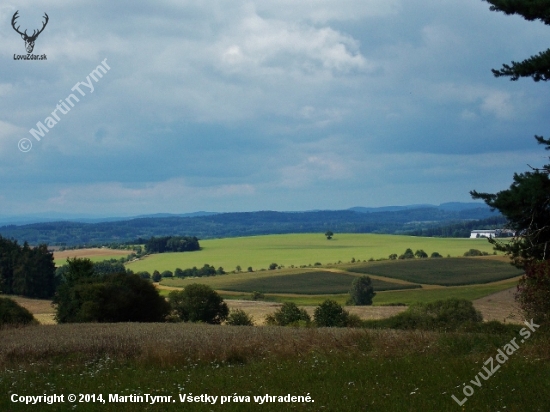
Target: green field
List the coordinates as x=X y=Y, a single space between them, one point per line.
x=302 y=249
x=444 y=272
x=311 y=282
x=390 y=297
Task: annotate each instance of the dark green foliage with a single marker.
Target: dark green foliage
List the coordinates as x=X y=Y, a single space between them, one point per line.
x=362 y=291
x=288 y=315
x=533 y=293
x=167 y=274
x=144 y=275
x=117 y=297
x=537 y=67
x=257 y=295
x=172 y=244
x=448 y=315
x=475 y=252
x=421 y=254
x=198 y=303
x=12 y=313
x=239 y=317
x=444 y=272
x=273 y=266
x=435 y=255
x=407 y=255
x=329 y=235
x=206 y=270
x=108 y=267
x=331 y=314
x=157 y=277
x=26 y=271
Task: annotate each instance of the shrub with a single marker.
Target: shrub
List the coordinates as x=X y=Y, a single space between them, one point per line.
x=144 y=275
x=475 y=252
x=450 y=314
x=288 y=314
x=167 y=274
x=115 y=298
x=198 y=303
x=436 y=255
x=361 y=292
x=11 y=313
x=421 y=254
x=273 y=266
x=156 y=276
x=407 y=255
x=239 y=317
x=330 y=314
x=393 y=256
x=257 y=295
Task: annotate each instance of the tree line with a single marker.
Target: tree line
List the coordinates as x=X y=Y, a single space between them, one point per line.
x=26 y=271
x=172 y=244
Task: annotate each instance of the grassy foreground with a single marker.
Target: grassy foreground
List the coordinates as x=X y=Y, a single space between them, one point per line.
x=340 y=369
x=302 y=249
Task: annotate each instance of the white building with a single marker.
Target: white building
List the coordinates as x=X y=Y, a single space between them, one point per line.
x=483 y=233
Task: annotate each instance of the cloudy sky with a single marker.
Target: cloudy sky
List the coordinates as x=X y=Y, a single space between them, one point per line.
x=248 y=105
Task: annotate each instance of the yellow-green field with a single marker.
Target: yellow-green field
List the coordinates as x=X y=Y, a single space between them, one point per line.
x=302 y=249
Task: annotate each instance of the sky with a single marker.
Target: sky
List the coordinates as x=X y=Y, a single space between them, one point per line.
x=245 y=105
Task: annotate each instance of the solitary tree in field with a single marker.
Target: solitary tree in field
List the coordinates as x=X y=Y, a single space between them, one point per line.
x=329 y=235
x=362 y=291
x=198 y=303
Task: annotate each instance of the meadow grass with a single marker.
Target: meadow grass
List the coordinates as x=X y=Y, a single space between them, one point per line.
x=341 y=369
x=445 y=272
x=407 y=297
x=302 y=249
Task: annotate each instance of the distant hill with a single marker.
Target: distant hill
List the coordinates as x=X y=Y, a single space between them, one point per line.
x=404 y=220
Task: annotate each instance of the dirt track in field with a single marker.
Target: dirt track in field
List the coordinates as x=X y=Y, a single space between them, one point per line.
x=500 y=306
x=91 y=252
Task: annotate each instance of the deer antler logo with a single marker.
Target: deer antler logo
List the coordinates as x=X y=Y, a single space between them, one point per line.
x=29 y=40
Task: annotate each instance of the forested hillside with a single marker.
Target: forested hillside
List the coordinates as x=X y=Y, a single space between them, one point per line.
x=247 y=224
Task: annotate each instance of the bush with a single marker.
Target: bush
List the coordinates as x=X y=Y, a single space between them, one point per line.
x=257 y=295
x=330 y=314
x=361 y=292
x=450 y=314
x=11 y=313
x=167 y=274
x=156 y=276
x=114 y=298
x=435 y=255
x=198 y=303
x=288 y=314
x=273 y=266
x=421 y=254
x=475 y=252
x=239 y=317
x=533 y=292
x=144 y=275
x=407 y=255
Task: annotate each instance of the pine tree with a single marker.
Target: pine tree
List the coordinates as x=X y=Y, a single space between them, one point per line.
x=537 y=67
